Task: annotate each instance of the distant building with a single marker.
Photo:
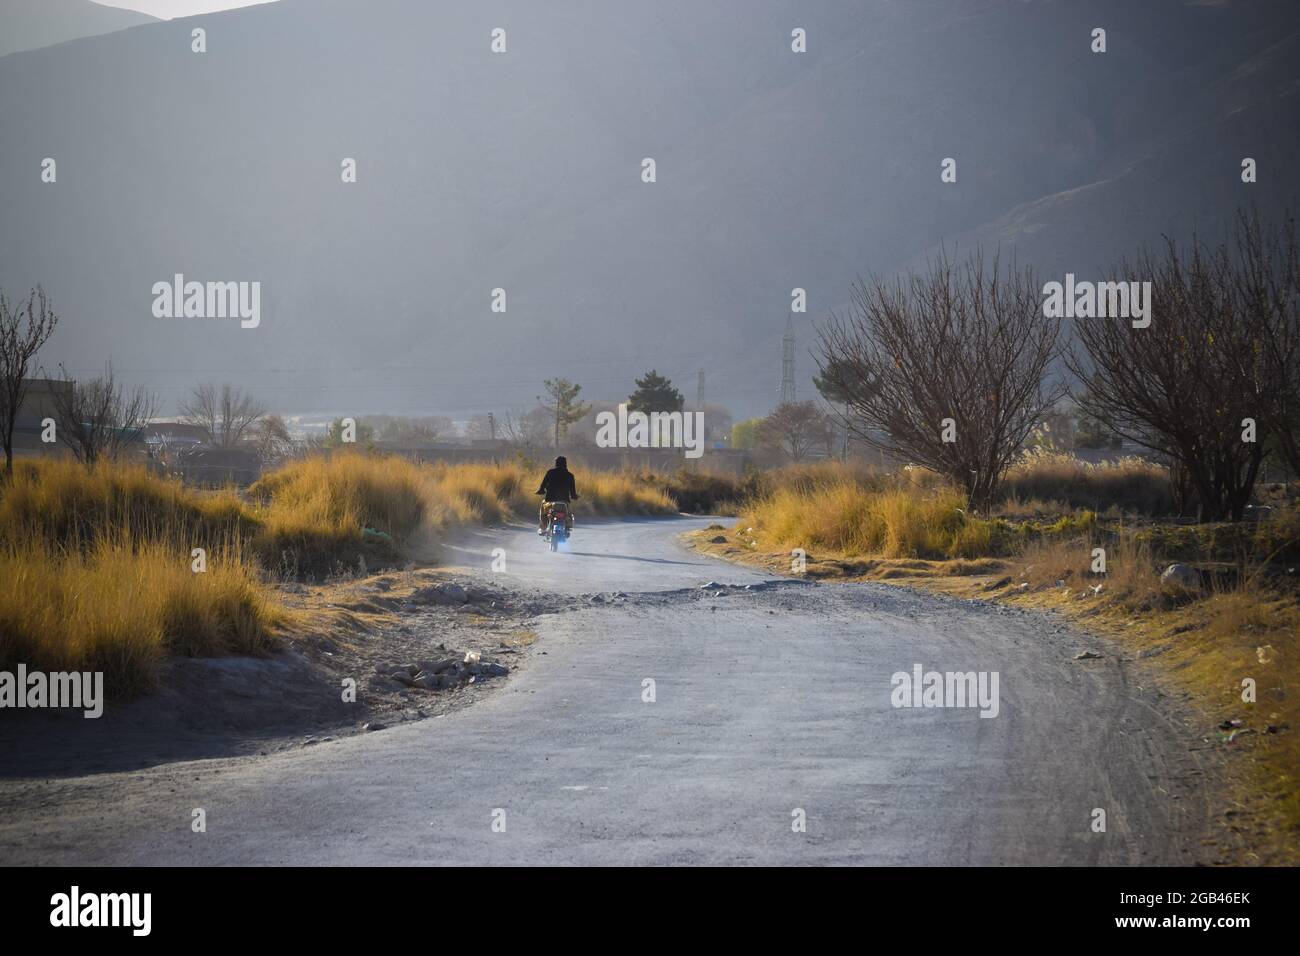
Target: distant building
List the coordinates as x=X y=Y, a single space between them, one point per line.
x=38 y=405
x=39 y=401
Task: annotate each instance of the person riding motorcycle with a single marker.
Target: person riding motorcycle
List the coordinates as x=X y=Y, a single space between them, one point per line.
x=557 y=485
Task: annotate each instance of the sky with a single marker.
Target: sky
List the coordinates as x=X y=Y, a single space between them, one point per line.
x=168 y=9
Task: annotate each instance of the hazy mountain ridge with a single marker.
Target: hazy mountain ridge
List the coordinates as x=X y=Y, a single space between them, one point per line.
x=522 y=171
x=33 y=24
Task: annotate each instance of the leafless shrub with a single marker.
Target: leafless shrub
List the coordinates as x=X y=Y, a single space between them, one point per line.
x=796 y=429
x=24 y=328
x=1221 y=352
x=271 y=434
x=1263 y=266
x=225 y=413
x=99 y=418
x=965 y=343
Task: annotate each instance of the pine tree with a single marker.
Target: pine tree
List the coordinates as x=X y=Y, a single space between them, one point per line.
x=655 y=393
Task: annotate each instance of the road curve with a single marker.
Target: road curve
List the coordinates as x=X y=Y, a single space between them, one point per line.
x=771 y=705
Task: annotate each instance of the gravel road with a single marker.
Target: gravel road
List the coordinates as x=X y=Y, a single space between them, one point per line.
x=771 y=708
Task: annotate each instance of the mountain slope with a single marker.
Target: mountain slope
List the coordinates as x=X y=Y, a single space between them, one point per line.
x=32 y=24
x=522 y=171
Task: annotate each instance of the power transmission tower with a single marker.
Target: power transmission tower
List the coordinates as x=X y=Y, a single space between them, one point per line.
x=787 y=362
x=699 y=391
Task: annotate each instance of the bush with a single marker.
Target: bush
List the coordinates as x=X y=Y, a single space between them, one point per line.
x=703 y=492
x=1132 y=485
x=119 y=607
x=842 y=515
x=65 y=504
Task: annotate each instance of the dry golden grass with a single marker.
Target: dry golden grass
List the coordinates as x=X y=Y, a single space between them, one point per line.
x=60 y=502
x=314 y=512
x=350 y=491
x=119 y=607
x=1055 y=481
x=1039 y=484
x=1131 y=580
x=97 y=570
x=97 y=561
x=835 y=512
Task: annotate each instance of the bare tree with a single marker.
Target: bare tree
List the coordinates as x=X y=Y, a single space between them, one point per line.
x=796 y=429
x=1214 y=360
x=526 y=432
x=224 y=413
x=1213 y=380
x=480 y=427
x=946 y=368
x=100 y=418
x=1261 y=271
x=23 y=330
x=271 y=433
x=436 y=427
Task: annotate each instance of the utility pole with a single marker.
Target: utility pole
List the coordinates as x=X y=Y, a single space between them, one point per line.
x=787 y=362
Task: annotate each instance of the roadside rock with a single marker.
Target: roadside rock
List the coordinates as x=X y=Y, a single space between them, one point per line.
x=448 y=593
x=444 y=674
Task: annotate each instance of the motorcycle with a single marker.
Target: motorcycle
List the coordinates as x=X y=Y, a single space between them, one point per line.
x=557 y=518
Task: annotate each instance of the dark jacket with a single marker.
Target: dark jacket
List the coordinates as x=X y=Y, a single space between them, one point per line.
x=558 y=486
